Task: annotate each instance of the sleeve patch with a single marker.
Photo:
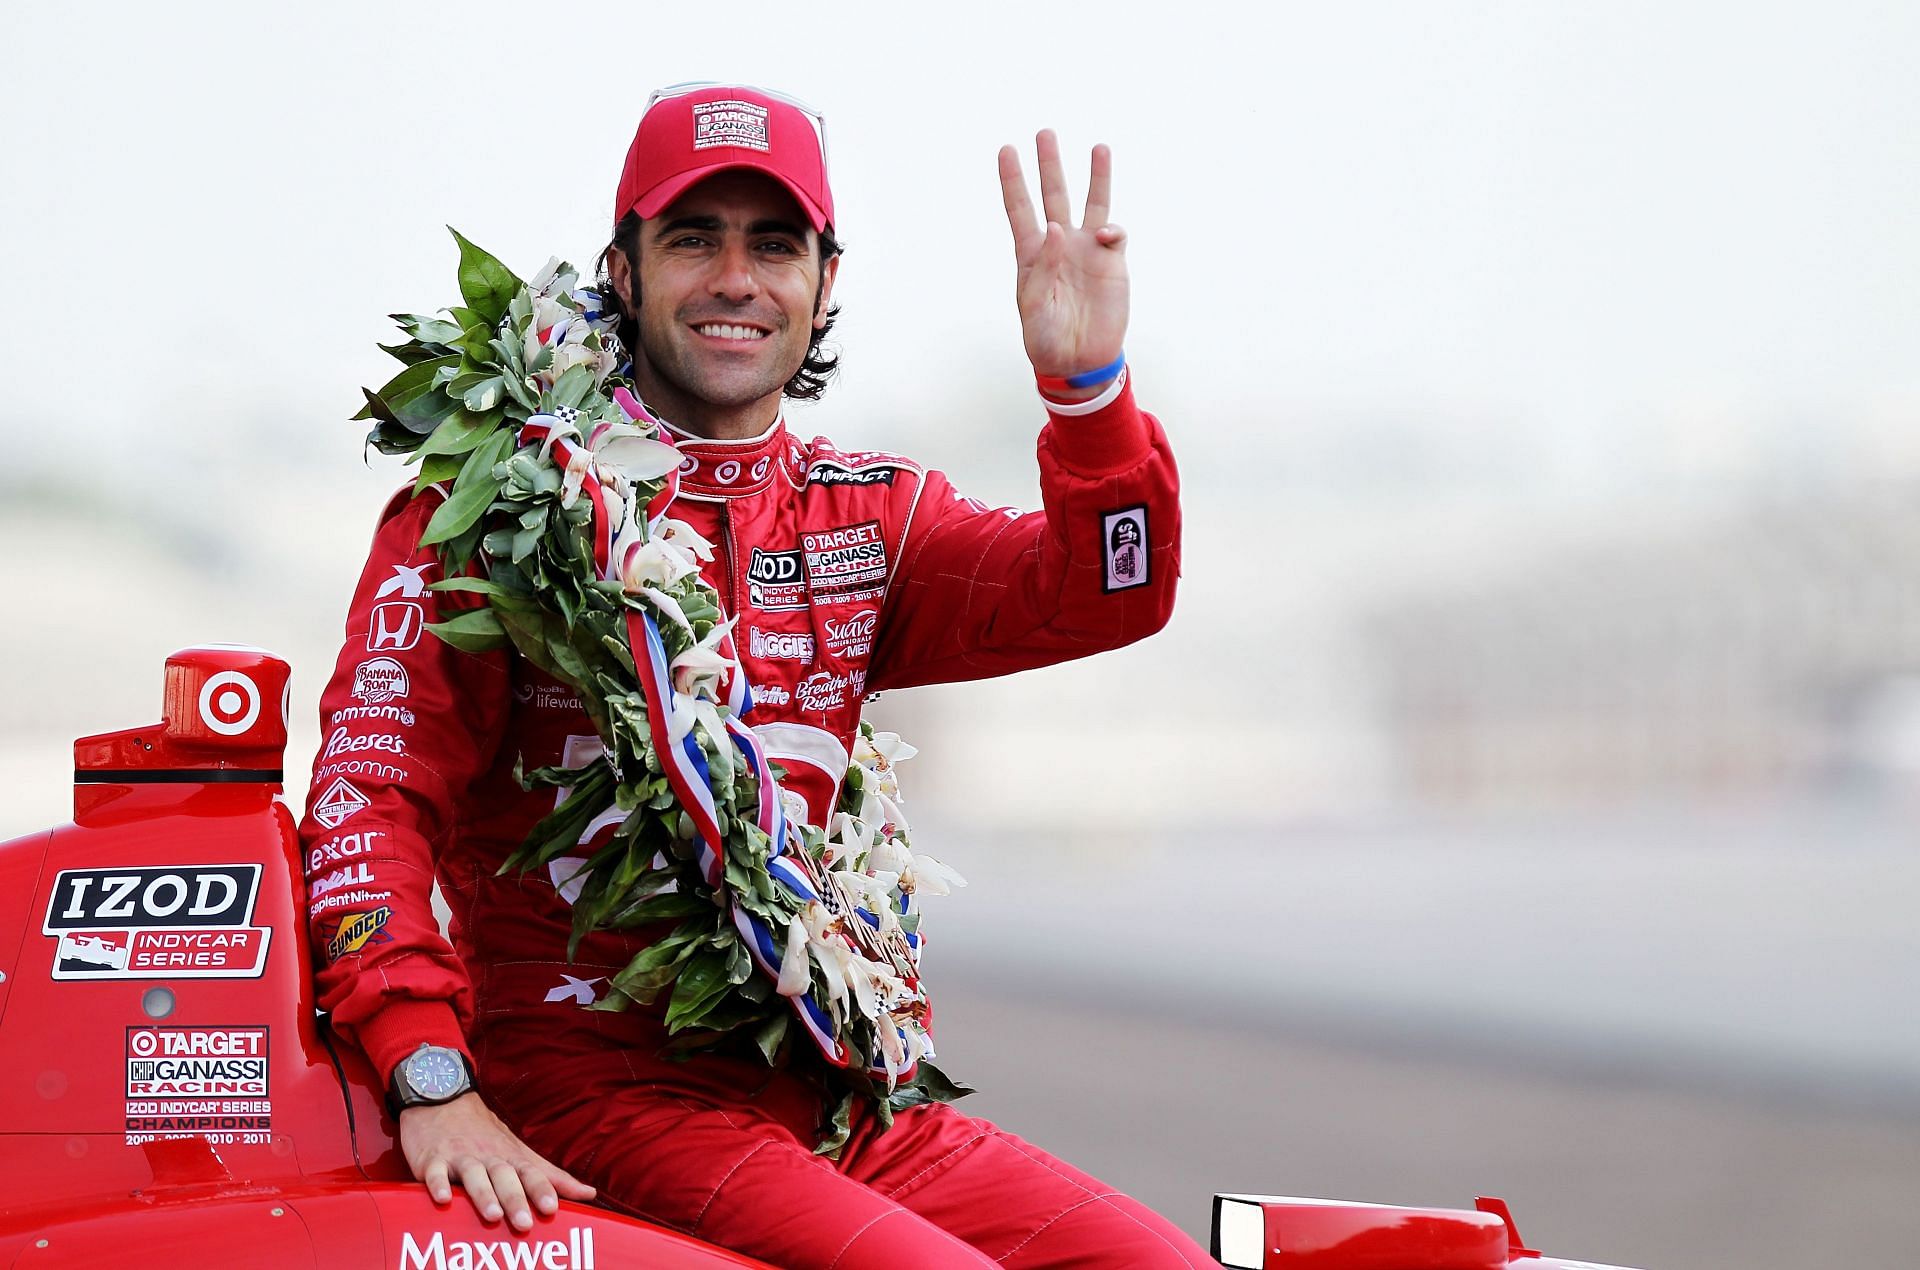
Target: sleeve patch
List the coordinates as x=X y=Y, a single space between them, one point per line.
x=1123 y=538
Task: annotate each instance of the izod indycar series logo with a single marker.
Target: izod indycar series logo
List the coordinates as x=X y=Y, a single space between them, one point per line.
x=198 y=1082
x=190 y=922
x=775 y=582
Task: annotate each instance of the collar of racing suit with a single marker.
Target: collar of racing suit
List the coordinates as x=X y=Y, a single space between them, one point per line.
x=730 y=469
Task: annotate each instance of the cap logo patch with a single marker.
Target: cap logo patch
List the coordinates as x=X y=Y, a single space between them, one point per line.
x=730 y=123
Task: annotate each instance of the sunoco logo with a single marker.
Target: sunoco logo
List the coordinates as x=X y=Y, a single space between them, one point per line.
x=378 y=680
x=575 y=1252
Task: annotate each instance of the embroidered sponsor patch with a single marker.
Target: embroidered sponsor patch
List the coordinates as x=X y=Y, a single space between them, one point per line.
x=395 y=626
x=833 y=474
x=844 y=559
x=356 y=930
x=780 y=645
x=730 y=123
x=340 y=848
x=338 y=804
x=775 y=581
x=852 y=636
x=1124 y=534
x=379 y=680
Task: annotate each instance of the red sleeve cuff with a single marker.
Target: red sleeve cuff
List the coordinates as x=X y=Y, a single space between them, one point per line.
x=402 y=1026
x=1111 y=439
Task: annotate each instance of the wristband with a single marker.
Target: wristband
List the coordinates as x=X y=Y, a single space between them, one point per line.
x=1105 y=399
x=1085 y=379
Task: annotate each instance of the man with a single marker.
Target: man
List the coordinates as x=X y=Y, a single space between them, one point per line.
x=848 y=573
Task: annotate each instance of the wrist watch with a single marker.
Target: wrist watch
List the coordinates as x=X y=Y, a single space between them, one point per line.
x=429 y=1076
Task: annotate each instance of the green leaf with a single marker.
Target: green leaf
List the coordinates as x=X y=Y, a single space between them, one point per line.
x=485 y=284
x=460 y=433
x=435 y=469
x=472 y=493
x=407 y=353
x=475 y=631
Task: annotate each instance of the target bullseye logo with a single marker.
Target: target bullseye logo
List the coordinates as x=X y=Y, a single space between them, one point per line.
x=760 y=468
x=229 y=703
x=729 y=472
x=143 y=1043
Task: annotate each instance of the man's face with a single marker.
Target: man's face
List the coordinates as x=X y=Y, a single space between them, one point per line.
x=731 y=287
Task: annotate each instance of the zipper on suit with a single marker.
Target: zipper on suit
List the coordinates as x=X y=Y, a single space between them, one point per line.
x=733 y=561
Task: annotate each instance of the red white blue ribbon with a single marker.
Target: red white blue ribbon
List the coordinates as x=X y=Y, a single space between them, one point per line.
x=685 y=762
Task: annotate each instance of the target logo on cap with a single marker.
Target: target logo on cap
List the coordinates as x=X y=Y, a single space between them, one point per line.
x=229 y=703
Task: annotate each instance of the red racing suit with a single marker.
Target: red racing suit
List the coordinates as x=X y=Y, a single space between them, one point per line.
x=850 y=572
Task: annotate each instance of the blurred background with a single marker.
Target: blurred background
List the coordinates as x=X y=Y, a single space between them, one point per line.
x=1522 y=799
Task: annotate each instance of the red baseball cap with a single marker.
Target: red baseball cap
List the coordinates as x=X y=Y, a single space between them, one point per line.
x=690 y=131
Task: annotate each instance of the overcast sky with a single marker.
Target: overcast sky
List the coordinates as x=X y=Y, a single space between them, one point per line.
x=1576 y=222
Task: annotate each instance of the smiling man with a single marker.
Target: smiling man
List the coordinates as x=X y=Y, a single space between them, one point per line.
x=847 y=573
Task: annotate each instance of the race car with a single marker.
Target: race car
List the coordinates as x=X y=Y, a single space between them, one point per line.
x=173 y=1099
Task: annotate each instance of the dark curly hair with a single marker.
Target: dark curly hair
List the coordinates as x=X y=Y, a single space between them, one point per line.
x=821 y=362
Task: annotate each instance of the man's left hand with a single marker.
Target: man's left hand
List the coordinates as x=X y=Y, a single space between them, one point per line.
x=1072 y=280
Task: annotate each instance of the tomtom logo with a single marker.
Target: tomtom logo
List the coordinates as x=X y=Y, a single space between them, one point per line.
x=853 y=636
x=575 y=1252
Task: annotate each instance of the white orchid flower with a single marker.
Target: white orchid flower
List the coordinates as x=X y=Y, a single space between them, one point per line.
x=636 y=455
x=927 y=876
x=542 y=281
x=667 y=605
x=577 y=465
x=878 y=809
x=652 y=563
x=681 y=534
x=881 y=751
x=889 y=855
x=796 y=971
x=698 y=671
x=860 y=980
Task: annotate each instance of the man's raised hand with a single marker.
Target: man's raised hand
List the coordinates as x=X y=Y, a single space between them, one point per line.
x=1071 y=281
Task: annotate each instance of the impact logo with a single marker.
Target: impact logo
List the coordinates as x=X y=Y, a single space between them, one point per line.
x=339 y=804
x=730 y=123
x=379 y=680
x=1124 y=534
x=192 y=922
x=775 y=581
x=834 y=474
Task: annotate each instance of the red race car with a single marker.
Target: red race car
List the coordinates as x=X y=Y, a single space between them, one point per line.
x=172 y=1098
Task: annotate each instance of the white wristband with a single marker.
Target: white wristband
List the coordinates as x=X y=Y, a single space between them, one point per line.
x=1107 y=397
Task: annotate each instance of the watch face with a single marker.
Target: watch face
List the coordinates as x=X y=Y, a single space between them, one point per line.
x=436 y=1073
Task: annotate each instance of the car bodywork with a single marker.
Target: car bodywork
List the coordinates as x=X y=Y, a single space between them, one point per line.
x=174 y=1098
